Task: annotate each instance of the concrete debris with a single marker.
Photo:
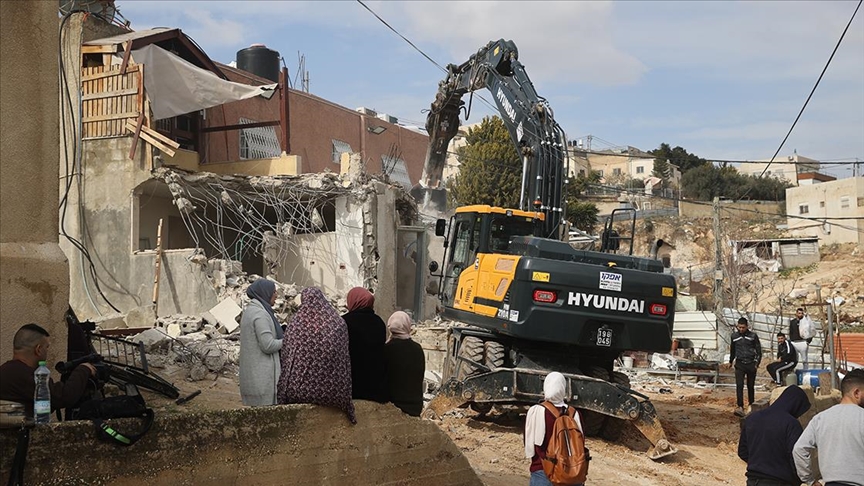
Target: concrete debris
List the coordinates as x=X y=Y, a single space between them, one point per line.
x=224 y=316
x=153 y=339
x=111 y=321
x=144 y=316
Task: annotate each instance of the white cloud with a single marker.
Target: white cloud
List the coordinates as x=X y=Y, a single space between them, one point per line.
x=558 y=42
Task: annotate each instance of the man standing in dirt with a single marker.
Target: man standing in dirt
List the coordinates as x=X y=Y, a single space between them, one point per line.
x=838 y=435
x=800 y=343
x=745 y=352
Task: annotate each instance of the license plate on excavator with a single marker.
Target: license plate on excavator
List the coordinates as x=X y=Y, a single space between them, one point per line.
x=604 y=337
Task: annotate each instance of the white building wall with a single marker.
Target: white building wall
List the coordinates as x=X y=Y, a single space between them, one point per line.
x=842 y=198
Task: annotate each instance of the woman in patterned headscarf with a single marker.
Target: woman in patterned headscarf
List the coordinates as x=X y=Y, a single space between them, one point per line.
x=316 y=367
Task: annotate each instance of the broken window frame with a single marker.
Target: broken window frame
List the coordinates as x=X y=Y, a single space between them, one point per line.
x=339 y=148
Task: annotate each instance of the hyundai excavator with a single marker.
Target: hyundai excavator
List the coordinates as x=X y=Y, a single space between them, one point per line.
x=526 y=303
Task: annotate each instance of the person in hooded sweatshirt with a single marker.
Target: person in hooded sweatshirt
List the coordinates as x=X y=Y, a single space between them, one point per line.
x=767 y=439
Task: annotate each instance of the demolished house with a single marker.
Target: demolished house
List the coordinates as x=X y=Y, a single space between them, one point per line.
x=157 y=220
x=773 y=255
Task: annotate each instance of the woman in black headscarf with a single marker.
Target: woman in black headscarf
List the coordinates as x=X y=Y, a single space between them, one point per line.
x=366 y=336
x=260 y=342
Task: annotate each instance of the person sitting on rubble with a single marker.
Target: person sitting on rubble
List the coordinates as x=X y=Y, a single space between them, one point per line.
x=767 y=439
x=30 y=346
x=261 y=338
x=367 y=334
x=316 y=366
x=787 y=358
x=406 y=365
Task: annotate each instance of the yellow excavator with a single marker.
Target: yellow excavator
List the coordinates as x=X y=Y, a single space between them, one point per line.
x=526 y=302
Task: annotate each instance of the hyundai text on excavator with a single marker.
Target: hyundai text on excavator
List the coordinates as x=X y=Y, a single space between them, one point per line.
x=526 y=302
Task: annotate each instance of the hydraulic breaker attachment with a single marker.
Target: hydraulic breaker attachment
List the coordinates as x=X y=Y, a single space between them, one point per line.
x=515 y=386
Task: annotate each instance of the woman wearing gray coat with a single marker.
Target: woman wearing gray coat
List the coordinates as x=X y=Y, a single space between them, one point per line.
x=260 y=342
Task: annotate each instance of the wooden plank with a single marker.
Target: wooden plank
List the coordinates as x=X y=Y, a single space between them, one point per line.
x=111 y=116
x=162 y=138
x=135 y=136
x=127 y=53
x=152 y=141
x=104 y=74
x=111 y=49
x=158 y=268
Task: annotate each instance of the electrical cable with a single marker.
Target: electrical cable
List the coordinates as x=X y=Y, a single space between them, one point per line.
x=807 y=101
x=400 y=35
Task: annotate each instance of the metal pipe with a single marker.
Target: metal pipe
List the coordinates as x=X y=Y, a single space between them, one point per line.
x=524 y=182
x=831 y=346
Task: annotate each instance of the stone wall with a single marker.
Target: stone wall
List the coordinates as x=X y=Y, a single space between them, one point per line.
x=34 y=279
x=293 y=444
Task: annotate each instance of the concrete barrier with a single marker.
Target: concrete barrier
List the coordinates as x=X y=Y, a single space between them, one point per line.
x=290 y=444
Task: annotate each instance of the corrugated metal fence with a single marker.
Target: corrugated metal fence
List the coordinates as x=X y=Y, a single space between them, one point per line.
x=701 y=329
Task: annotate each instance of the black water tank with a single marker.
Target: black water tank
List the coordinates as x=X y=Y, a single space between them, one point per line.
x=260 y=61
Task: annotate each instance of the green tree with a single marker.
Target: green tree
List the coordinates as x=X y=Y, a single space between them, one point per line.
x=684 y=160
x=582 y=215
x=490 y=170
x=706 y=182
x=662 y=170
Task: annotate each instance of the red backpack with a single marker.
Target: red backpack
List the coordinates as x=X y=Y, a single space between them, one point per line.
x=566 y=460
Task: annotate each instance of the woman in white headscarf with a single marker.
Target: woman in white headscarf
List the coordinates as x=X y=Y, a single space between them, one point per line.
x=539 y=423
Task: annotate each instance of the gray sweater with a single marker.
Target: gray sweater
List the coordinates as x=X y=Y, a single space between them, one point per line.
x=259 y=356
x=838 y=435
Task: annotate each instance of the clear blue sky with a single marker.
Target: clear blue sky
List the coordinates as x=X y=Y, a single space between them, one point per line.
x=724 y=80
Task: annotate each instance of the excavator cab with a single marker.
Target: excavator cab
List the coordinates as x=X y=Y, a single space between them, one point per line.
x=474 y=233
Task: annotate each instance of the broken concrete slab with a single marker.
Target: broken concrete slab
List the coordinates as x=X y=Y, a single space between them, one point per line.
x=192 y=337
x=113 y=321
x=153 y=339
x=144 y=316
x=174 y=330
x=224 y=315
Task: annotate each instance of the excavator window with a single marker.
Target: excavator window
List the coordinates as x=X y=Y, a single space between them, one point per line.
x=504 y=228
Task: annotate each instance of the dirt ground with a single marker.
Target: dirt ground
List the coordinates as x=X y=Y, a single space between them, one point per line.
x=698 y=421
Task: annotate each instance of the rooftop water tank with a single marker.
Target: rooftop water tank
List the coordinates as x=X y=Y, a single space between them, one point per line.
x=260 y=61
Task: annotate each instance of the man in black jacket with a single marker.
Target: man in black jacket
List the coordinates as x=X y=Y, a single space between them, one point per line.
x=767 y=439
x=746 y=352
x=787 y=359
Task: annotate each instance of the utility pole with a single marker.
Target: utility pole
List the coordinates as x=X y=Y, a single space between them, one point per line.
x=718 y=261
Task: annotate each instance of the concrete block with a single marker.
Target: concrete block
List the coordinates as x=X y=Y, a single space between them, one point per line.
x=174 y=330
x=113 y=321
x=153 y=339
x=144 y=316
x=192 y=337
x=224 y=315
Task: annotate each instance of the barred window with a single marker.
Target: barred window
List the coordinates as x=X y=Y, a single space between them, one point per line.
x=258 y=142
x=396 y=169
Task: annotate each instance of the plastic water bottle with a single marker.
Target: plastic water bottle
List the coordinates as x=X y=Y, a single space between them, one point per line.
x=42 y=397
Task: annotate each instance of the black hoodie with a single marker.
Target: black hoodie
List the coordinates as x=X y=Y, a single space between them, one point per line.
x=768 y=436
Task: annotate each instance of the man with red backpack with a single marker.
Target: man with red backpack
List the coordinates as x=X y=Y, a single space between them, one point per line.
x=554 y=440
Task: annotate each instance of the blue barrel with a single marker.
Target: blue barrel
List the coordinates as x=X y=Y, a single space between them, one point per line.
x=809 y=377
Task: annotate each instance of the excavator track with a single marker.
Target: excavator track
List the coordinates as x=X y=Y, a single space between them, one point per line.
x=613 y=403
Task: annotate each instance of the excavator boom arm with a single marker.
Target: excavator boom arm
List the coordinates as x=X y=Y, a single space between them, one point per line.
x=527 y=116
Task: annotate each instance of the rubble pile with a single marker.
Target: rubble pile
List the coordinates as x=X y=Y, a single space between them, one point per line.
x=210 y=342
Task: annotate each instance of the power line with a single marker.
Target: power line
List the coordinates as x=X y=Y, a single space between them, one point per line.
x=811 y=91
x=400 y=35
